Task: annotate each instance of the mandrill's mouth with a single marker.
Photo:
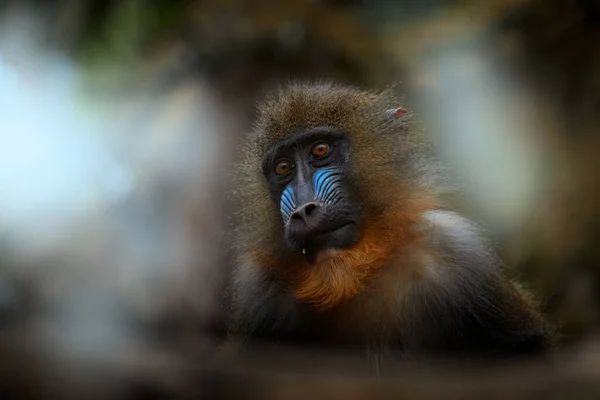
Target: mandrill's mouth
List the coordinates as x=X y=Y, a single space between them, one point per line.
x=336 y=238
x=332 y=232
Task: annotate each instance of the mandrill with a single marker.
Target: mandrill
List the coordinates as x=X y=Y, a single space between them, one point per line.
x=340 y=244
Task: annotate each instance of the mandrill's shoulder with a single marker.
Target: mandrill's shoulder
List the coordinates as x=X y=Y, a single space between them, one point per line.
x=458 y=241
x=460 y=258
x=448 y=223
x=467 y=297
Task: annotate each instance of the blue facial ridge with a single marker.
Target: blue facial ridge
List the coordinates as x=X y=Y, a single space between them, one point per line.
x=325 y=184
x=287 y=203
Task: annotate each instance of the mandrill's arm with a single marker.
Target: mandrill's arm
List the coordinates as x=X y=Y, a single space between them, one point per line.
x=465 y=305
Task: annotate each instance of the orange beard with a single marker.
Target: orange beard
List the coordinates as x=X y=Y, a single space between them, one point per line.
x=339 y=275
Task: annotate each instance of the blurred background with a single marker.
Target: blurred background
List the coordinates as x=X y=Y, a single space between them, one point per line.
x=119 y=122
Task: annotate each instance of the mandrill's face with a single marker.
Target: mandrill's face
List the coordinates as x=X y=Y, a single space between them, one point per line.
x=307 y=176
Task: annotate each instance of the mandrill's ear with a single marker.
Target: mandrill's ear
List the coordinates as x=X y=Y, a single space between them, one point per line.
x=397 y=112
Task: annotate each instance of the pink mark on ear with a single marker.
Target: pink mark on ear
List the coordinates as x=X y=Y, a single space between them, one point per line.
x=397 y=112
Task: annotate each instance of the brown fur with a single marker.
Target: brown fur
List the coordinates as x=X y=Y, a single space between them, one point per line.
x=389 y=207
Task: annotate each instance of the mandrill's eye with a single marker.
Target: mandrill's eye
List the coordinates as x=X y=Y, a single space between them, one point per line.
x=283 y=167
x=319 y=150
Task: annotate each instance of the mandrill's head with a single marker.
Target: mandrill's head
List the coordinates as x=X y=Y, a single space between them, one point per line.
x=331 y=187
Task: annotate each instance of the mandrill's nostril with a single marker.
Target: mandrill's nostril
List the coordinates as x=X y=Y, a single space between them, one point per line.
x=309 y=208
x=306 y=212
